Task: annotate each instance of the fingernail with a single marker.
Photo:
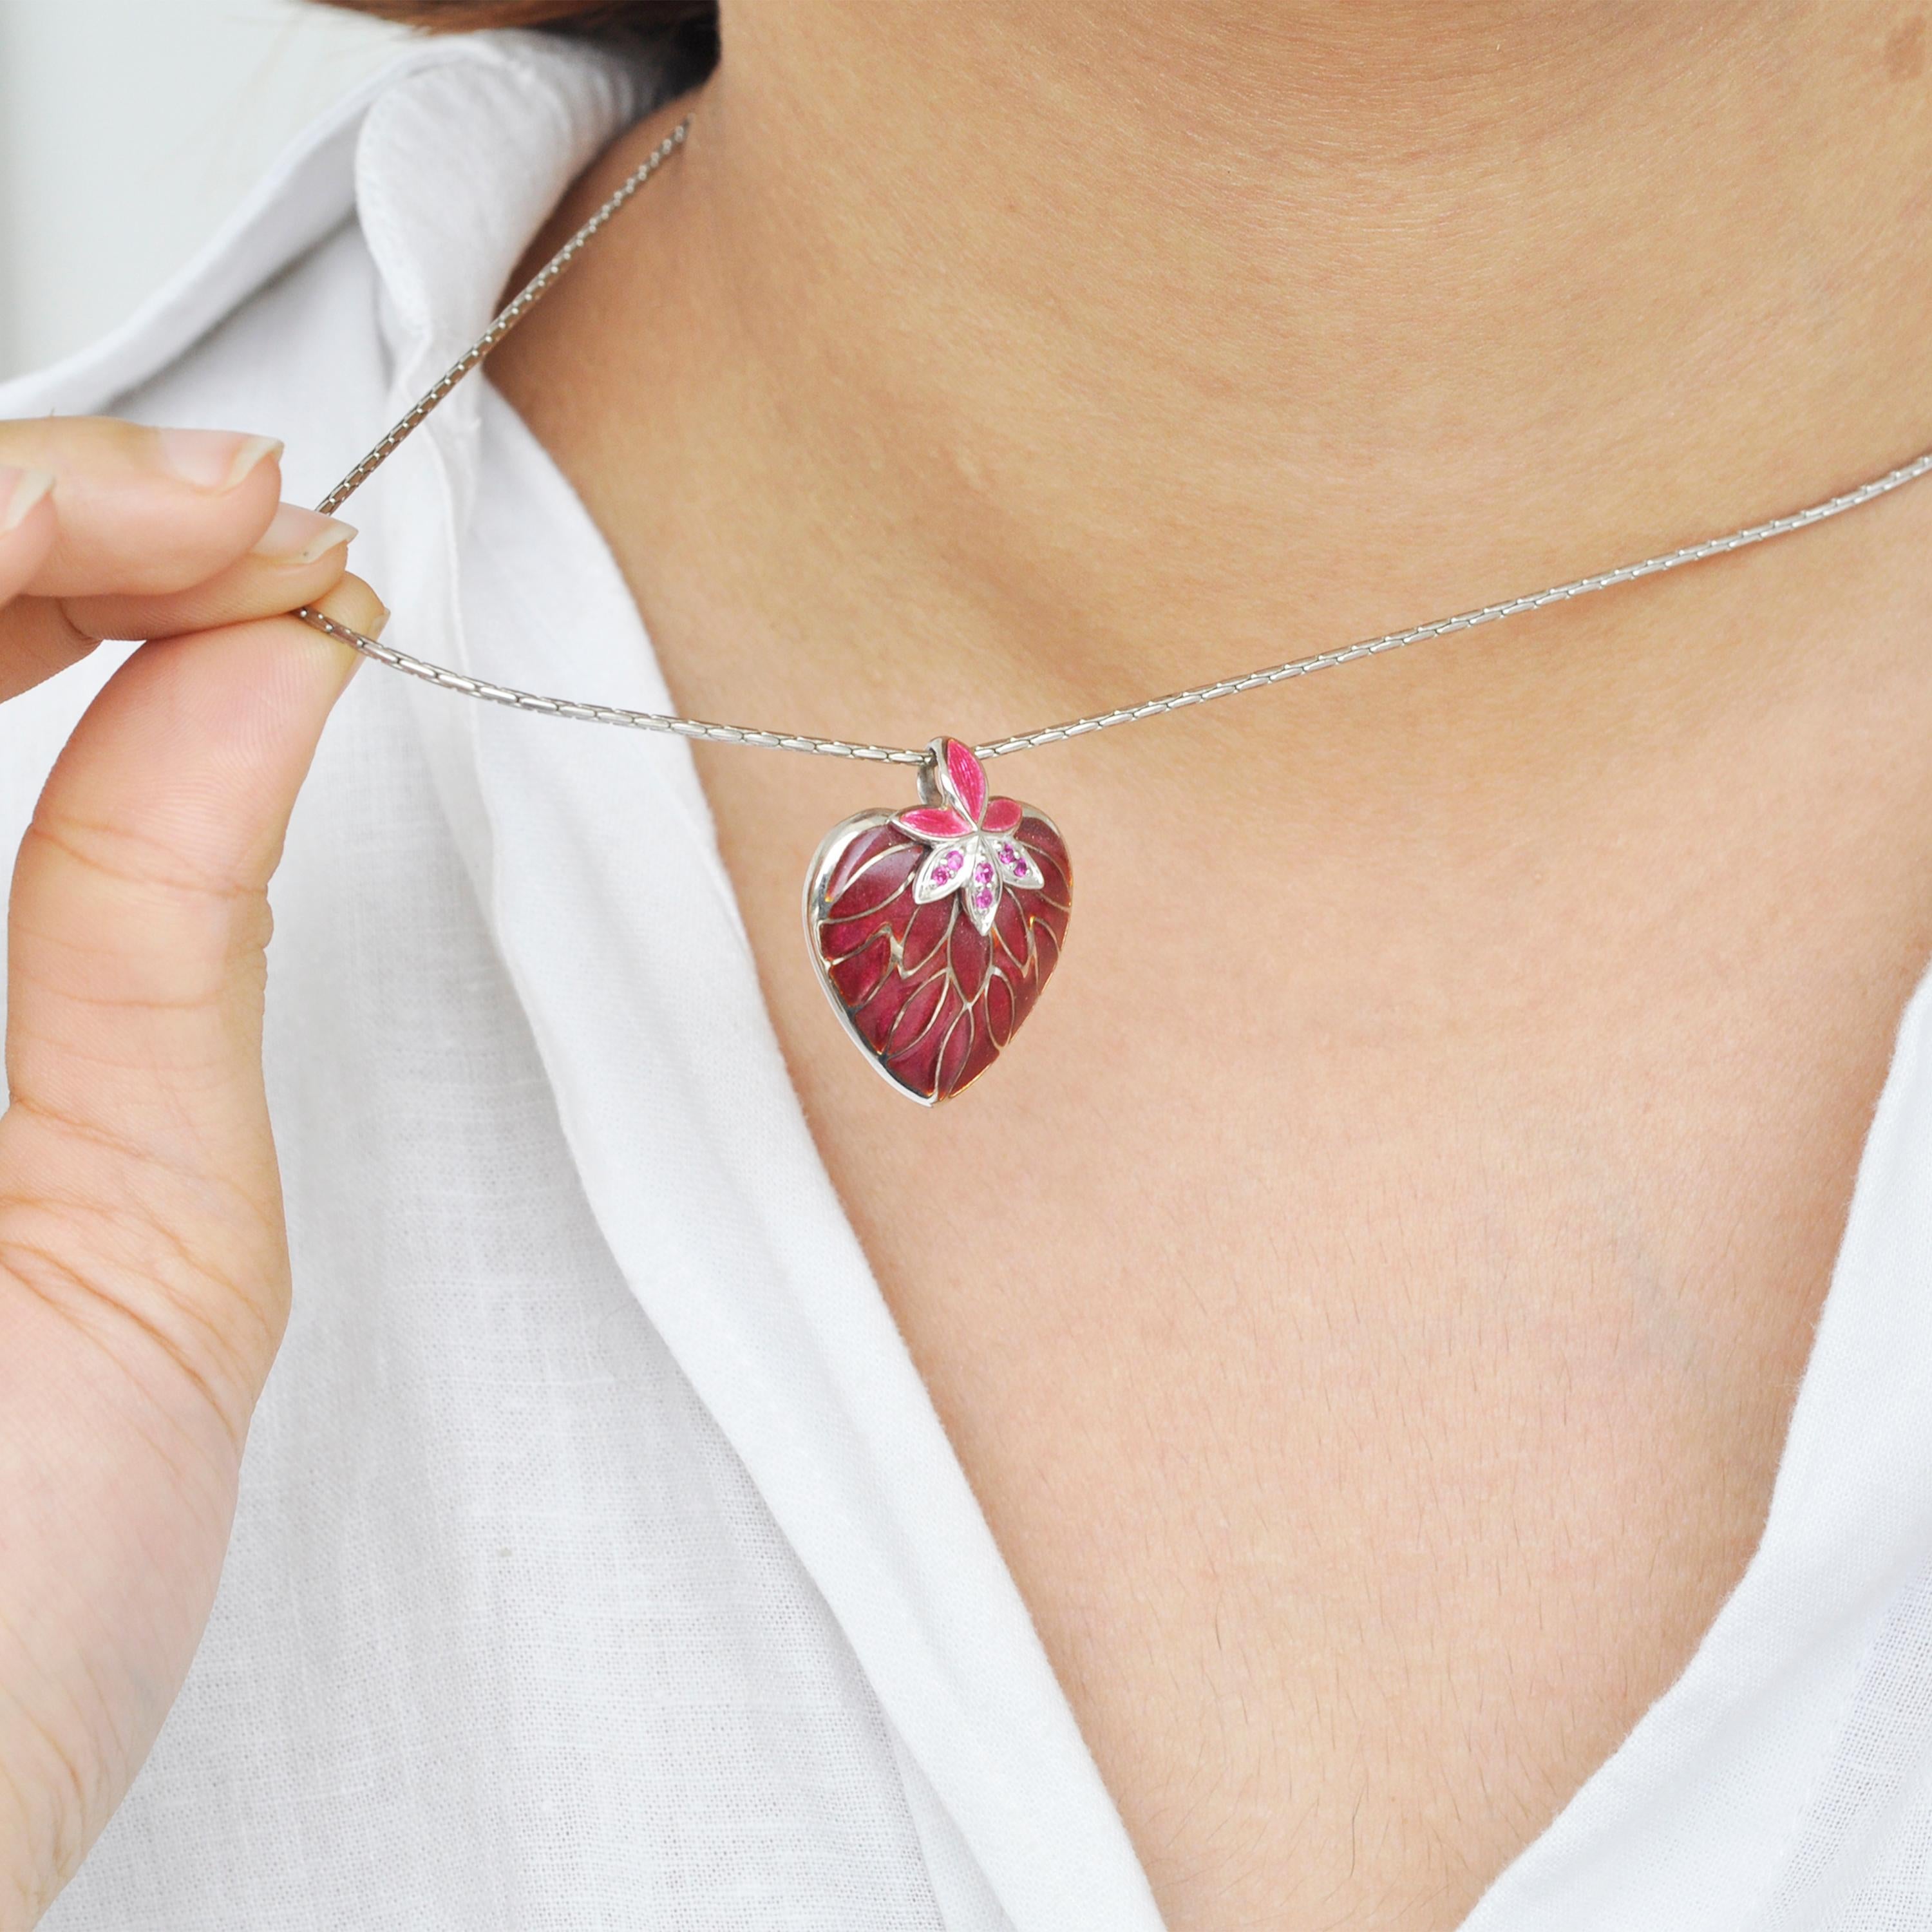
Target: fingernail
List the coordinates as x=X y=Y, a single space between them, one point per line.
x=379 y=624
x=213 y=459
x=299 y=536
x=20 y=490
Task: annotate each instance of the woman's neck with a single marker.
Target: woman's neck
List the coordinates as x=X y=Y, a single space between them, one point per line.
x=1095 y=348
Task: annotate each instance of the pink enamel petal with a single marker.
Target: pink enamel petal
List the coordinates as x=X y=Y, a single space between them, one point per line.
x=1002 y=815
x=969 y=781
x=932 y=822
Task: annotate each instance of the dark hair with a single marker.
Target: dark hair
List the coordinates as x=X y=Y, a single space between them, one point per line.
x=691 y=24
x=574 y=17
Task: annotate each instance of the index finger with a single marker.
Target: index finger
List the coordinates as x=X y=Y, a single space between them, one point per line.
x=136 y=511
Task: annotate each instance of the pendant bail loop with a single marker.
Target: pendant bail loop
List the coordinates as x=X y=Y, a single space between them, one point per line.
x=931 y=791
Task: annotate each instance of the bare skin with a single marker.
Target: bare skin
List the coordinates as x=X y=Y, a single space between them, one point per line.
x=1375 y=1298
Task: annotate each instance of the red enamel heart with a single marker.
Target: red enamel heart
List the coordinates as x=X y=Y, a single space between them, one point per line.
x=934 y=930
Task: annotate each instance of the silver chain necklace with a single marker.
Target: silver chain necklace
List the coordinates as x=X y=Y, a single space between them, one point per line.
x=934 y=929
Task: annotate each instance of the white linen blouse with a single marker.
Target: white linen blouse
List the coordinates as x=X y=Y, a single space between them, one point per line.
x=601 y=1561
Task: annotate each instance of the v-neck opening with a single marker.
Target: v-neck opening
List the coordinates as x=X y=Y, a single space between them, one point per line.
x=589 y=550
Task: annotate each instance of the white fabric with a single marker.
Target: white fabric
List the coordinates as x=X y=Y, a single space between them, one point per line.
x=601 y=1562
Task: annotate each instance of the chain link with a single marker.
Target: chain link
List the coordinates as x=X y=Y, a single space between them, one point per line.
x=677 y=726
x=447 y=680
x=539 y=285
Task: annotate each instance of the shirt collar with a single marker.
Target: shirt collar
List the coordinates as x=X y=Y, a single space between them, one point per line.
x=593 y=857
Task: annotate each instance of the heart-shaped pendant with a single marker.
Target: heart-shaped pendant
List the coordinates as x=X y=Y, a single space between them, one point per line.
x=934 y=930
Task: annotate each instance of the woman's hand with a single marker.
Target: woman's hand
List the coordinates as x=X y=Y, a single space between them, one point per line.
x=143 y=1269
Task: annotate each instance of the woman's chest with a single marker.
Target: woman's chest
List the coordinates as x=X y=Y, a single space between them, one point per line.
x=1363 y=1499
x=1374 y=1364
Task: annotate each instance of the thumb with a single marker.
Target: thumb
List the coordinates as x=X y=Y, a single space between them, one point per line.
x=135 y=1163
